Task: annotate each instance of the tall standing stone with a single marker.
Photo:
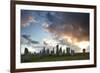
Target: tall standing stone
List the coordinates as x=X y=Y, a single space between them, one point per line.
x=68 y=50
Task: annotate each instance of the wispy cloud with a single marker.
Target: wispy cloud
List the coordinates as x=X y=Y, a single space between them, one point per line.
x=29 y=40
x=28 y=21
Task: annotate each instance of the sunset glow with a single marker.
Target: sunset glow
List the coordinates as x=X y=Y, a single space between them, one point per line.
x=83 y=44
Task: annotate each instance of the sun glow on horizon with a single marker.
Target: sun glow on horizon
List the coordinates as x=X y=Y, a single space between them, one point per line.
x=83 y=44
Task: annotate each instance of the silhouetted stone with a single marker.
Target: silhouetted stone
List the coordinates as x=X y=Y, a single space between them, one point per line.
x=60 y=51
x=72 y=52
x=26 y=51
x=68 y=51
x=57 y=49
x=84 y=51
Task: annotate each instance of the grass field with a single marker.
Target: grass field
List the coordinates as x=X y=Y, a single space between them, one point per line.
x=77 y=56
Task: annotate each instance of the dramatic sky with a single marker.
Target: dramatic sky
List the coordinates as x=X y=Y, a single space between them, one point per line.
x=51 y=28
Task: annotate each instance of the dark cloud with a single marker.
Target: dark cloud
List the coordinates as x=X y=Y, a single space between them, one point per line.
x=74 y=25
x=27 y=37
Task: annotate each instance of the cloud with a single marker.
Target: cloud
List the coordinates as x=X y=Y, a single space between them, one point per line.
x=27 y=21
x=26 y=36
x=34 y=42
x=50 y=41
x=68 y=28
x=29 y=40
x=73 y=27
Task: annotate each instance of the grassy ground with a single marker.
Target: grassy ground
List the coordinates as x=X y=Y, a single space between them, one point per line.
x=77 y=56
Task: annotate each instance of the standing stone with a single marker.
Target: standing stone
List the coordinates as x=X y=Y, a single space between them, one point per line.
x=72 y=52
x=68 y=51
